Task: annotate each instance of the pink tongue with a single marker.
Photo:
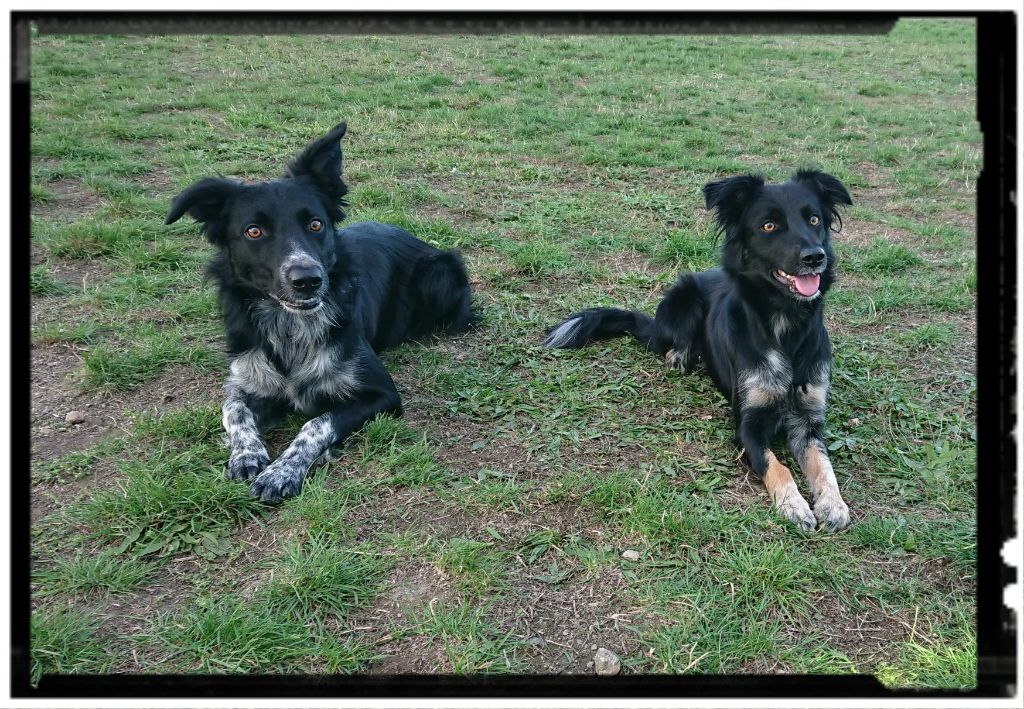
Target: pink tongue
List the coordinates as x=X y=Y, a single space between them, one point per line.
x=807 y=285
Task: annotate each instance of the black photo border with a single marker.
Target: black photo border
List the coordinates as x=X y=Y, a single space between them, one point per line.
x=996 y=309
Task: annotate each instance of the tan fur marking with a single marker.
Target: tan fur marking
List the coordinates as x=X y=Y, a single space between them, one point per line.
x=755 y=397
x=818 y=470
x=829 y=507
x=784 y=493
x=777 y=476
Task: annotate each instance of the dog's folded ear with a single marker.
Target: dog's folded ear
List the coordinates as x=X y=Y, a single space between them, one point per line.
x=728 y=197
x=831 y=191
x=322 y=162
x=827 y=187
x=203 y=201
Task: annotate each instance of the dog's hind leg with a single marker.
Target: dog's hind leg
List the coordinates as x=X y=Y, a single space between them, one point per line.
x=443 y=294
x=377 y=394
x=679 y=323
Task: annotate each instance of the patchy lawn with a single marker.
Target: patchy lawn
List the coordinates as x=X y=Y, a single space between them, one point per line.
x=485 y=531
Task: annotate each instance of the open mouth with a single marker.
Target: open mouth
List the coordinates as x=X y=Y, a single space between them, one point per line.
x=299 y=306
x=805 y=285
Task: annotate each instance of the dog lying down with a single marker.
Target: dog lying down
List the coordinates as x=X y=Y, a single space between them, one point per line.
x=307 y=307
x=756 y=323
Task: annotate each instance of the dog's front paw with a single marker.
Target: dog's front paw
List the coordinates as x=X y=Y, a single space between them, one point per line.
x=831 y=511
x=283 y=479
x=247 y=463
x=795 y=508
x=675 y=359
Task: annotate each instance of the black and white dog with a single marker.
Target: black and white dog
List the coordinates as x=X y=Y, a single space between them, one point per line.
x=307 y=307
x=757 y=325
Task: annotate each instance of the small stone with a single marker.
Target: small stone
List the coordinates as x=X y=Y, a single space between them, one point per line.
x=853 y=422
x=74 y=417
x=631 y=555
x=537 y=641
x=593 y=647
x=606 y=663
x=44 y=430
x=168 y=396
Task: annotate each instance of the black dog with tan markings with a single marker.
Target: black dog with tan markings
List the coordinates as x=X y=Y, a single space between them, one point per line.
x=757 y=325
x=307 y=307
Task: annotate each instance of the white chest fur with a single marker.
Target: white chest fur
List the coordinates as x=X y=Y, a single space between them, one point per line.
x=311 y=366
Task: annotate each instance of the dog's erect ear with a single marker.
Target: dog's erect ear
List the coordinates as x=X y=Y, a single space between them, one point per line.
x=322 y=161
x=831 y=191
x=730 y=196
x=204 y=201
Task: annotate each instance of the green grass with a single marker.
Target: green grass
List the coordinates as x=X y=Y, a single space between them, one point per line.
x=498 y=510
x=227 y=636
x=318 y=578
x=129 y=365
x=476 y=566
x=471 y=643
x=40 y=282
x=90 y=572
x=167 y=503
x=65 y=642
x=930 y=335
x=882 y=257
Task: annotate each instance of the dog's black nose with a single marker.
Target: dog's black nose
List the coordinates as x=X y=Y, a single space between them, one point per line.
x=812 y=257
x=305 y=279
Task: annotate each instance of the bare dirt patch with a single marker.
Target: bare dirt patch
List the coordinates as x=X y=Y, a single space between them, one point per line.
x=872 y=631
x=861 y=233
x=72 y=201
x=79 y=273
x=403 y=509
x=411 y=589
x=418 y=654
x=46 y=497
x=56 y=391
x=623 y=262
x=961 y=220
x=564 y=626
x=157 y=181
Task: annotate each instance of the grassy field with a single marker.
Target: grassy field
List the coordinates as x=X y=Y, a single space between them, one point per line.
x=484 y=532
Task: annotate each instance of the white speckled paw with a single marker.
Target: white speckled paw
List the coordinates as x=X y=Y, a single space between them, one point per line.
x=247 y=463
x=283 y=479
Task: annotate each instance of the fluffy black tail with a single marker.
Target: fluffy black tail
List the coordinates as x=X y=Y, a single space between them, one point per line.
x=601 y=324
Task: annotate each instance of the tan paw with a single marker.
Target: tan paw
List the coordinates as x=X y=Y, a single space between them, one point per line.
x=794 y=507
x=831 y=511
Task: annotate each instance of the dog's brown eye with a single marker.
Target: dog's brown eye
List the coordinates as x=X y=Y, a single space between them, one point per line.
x=253 y=232
x=815 y=220
x=316 y=225
x=768 y=227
